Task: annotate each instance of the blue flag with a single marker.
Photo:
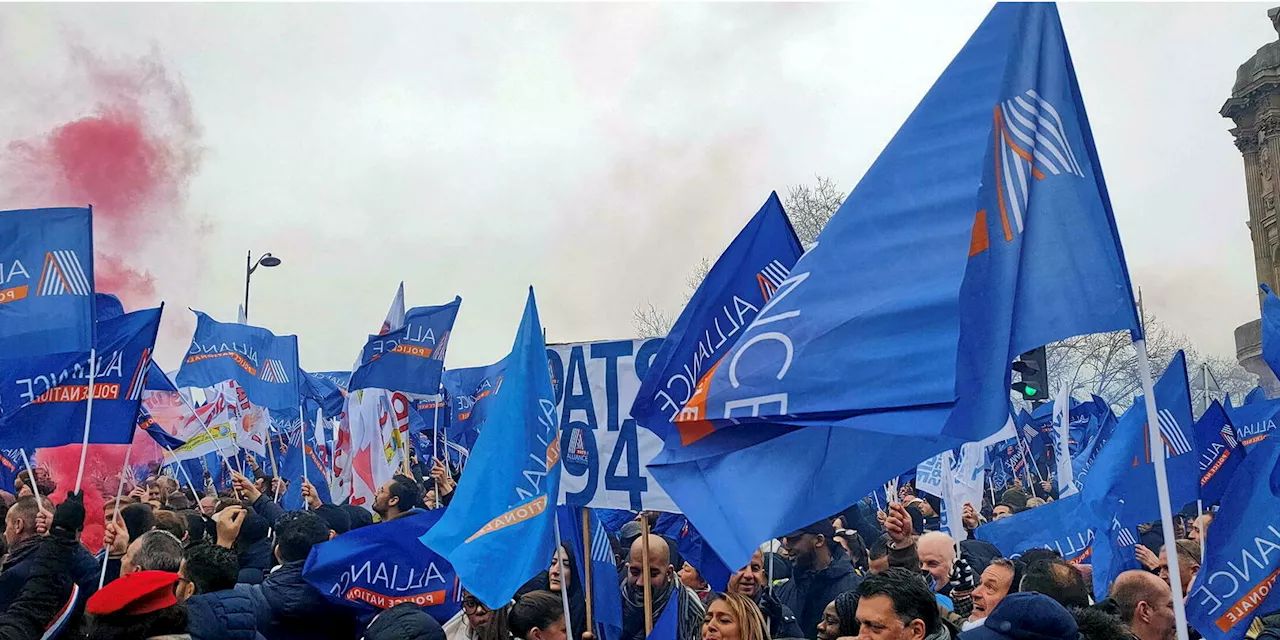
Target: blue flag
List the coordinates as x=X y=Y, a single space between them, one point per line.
x=1255 y=396
x=1114 y=552
x=378 y=567
x=694 y=549
x=1062 y=525
x=604 y=586
x=297 y=448
x=340 y=379
x=729 y=298
x=1083 y=461
x=1237 y=579
x=1219 y=451
x=46 y=282
x=323 y=392
x=409 y=359
x=107 y=306
x=471 y=393
x=985 y=226
x=1123 y=480
x=1254 y=421
x=264 y=364
x=1270 y=328
x=505 y=503
x=667 y=625
x=157 y=432
x=42 y=399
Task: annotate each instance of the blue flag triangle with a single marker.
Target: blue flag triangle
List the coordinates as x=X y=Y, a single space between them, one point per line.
x=46 y=282
x=1219 y=452
x=505 y=503
x=264 y=364
x=411 y=358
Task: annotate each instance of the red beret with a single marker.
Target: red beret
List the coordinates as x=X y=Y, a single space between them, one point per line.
x=135 y=594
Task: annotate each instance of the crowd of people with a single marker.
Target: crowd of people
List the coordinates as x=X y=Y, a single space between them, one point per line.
x=229 y=566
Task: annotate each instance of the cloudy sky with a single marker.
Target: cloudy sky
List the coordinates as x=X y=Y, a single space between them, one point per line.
x=598 y=152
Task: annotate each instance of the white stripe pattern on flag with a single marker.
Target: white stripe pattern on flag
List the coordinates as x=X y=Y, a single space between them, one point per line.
x=1125 y=537
x=1175 y=440
x=600 y=549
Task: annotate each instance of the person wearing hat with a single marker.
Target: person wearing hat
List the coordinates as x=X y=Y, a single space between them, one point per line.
x=142 y=604
x=1026 y=616
x=820 y=571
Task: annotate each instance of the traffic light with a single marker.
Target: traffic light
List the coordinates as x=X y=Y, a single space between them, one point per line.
x=1033 y=371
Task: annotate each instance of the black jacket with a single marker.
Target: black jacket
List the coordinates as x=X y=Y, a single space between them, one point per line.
x=807 y=593
x=404 y=621
x=287 y=608
x=255 y=561
x=782 y=621
x=222 y=615
x=46 y=592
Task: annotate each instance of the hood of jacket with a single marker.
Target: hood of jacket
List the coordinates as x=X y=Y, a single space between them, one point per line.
x=404 y=622
x=227 y=615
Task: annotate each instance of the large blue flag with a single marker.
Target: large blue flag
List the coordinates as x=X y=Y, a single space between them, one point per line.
x=409 y=359
x=1237 y=578
x=604 y=585
x=1254 y=421
x=264 y=364
x=1114 y=552
x=1270 y=328
x=1219 y=451
x=985 y=226
x=297 y=448
x=694 y=549
x=729 y=298
x=46 y=282
x=1123 y=479
x=1065 y=526
x=42 y=399
x=470 y=394
x=1258 y=394
x=320 y=390
x=378 y=567
x=504 y=505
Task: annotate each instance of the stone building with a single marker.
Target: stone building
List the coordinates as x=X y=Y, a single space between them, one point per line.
x=1254 y=108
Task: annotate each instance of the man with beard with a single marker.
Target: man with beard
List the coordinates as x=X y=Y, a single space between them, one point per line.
x=752 y=581
x=398 y=497
x=665 y=591
x=820 y=572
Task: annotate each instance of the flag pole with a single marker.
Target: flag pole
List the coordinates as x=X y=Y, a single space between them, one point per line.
x=302 y=441
x=31 y=475
x=88 y=417
x=115 y=516
x=648 y=590
x=564 y=592
x=586 y=569
x=435 y=431
x=184 y=473
x=275 y=471
x=1157 y=449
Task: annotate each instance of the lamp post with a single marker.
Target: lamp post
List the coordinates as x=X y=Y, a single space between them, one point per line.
x=265 y=260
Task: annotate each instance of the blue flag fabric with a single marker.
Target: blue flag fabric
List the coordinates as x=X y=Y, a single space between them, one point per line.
x=158 y=380
x=409 y=359
x=323 y=392
x=157 y=432
x=996 y=268
x=375 y=568
x=264 y=364
x=1270 y=328
x=1062 y=525
x=729 y=298
x=667 y=625
x=296 y=447
x=504 y=504
x=42 y=400
x=1114 y=552
x=694 y=549
x=470 y=393
x=1242 y=559
x=107 y=306
x=604 y=586
x=1219 y=452
x=1123 y=480
x=1254 y=421
x=340 y=379
x=1255 y=396
x=46 y=282
x=1083 y=461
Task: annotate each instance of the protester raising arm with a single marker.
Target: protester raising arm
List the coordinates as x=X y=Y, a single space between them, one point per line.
x=902 y=540
x=260 y=502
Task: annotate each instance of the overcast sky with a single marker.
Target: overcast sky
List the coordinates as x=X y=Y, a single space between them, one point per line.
x=598 y=152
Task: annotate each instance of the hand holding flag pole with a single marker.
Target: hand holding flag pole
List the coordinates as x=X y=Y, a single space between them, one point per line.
x=115 y=515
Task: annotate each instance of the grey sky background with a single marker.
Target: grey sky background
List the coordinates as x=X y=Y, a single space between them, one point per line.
x=598 y=152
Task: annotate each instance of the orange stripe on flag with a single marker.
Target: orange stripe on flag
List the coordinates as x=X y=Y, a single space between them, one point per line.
x=1004 y=131
x=526 y=511
x=980 y=241
x=691 y=421
x=1004 y=215
x=12 y=294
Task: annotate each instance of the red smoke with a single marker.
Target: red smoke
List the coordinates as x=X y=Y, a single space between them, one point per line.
x=119 y=135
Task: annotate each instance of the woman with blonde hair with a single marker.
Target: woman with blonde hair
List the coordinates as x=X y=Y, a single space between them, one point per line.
x=731 y=616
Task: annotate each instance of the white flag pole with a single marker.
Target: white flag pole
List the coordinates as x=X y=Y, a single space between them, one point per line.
x=88 y=417
x=564 y=591
x=115 y=516
x=31 y=475
x=181 y=469
x=1157 y=448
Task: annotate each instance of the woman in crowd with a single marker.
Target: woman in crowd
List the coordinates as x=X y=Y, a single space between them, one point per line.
x=840 y=619
x=733 y=617
x=538 y=615
x=477 y=621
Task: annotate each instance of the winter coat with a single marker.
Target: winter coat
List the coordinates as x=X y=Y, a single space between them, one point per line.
x=807 y=593
x=222 y=615
x=288 y=608
x=255 y=561
x=782 y=621
x=47 y=590
x=404 y=622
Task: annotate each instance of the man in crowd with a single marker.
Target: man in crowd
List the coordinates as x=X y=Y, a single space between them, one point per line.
x=752 y=581
x=215 y=610
x=896 y=605
x=1145 y=604
x=1188 y=563
x=995 y=584
x=1199 y=527
x=820 y=572
x=1058 y=580
x=1025 y=616
x=665 y=591
x=398 y=497
x=937 y=555
x=155 y=550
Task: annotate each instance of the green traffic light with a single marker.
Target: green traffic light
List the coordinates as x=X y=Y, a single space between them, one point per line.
x=1029 y=390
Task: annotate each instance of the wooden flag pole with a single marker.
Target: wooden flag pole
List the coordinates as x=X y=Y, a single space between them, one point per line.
x=648 y=591
x=586 y=568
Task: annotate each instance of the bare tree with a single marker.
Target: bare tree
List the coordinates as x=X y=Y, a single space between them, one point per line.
x=1106 y=364
x=808 y=206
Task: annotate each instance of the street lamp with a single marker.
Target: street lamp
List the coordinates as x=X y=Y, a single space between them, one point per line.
x=265 y=260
